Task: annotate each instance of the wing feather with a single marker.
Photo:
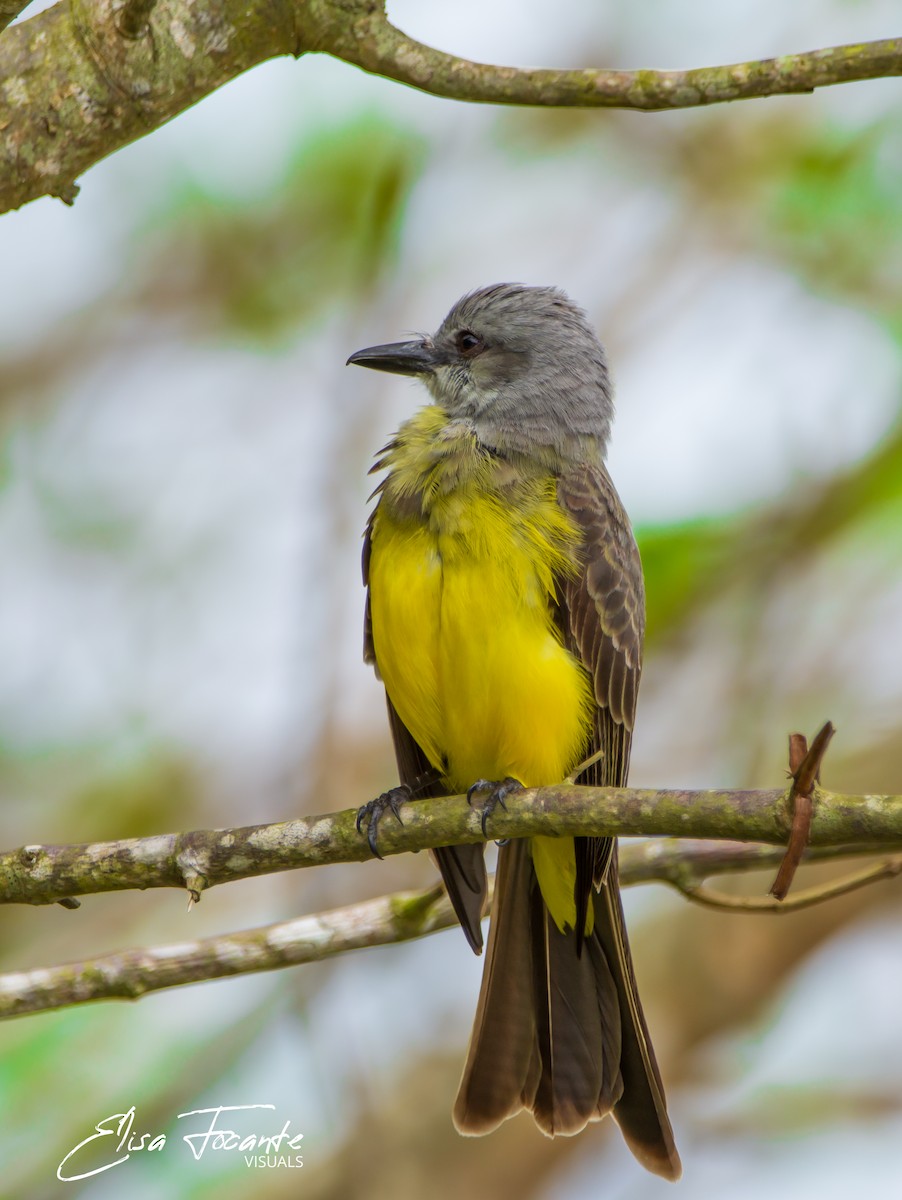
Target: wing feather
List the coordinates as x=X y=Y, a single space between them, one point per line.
x=602 y=618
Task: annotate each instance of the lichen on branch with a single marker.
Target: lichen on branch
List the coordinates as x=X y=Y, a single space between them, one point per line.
x=200 y=859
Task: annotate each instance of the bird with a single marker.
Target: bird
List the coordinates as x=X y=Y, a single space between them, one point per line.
x=505 y=615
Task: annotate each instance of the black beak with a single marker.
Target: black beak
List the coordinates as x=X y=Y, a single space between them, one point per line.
x=400 y=358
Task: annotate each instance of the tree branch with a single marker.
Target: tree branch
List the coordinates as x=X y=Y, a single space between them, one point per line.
x=130 y=974
x=203 y=858
x=87 y=77
x=76 y=88
x=386 y=51
x=891 y=868
x=9 y=10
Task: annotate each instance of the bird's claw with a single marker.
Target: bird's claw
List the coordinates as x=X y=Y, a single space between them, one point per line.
x=498 y=792
x=375 y=810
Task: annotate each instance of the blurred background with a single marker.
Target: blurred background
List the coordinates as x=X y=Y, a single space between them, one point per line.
x=183 y=461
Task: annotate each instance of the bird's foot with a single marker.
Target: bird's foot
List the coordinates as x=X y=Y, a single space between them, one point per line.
x=373 y=812
x=498 y=792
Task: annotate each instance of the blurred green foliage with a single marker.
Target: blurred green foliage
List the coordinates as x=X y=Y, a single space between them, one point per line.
x=836 y=213
x=91 y=790
x=264 y=266
x=683 y=564
x=153 y=792
x=690 y=564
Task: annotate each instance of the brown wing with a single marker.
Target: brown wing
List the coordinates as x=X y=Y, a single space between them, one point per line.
x=602 y=618
x=462 y=867
x=605 y=612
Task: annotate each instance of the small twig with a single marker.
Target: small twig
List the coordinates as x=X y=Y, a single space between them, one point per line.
x=804 y=766
x=802 y=810
x=688 y=863
x=584 y=766
x=809 y=769
x=711 y=898
x=798 y=751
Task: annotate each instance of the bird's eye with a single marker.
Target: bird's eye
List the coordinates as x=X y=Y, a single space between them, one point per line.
x=468 y=343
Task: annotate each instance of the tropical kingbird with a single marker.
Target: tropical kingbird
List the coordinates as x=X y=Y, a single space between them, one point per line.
x=505 y=616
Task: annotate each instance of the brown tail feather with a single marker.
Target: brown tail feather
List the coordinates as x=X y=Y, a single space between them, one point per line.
x=463 y=874
x=462 y=867
x=641 y=1111
x=558 y=1033
x=500 y=1076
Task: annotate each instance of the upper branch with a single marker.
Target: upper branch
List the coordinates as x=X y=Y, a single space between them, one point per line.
x=198 y=860
x=386 y=51
x=9 y=10
x=86 y=77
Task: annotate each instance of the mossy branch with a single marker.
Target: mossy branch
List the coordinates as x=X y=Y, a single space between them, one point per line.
x=203 y=858
x=131 y=974
x=9 y=10
x=87 y=77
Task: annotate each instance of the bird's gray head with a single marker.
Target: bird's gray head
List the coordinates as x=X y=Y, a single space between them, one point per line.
x=522 y=364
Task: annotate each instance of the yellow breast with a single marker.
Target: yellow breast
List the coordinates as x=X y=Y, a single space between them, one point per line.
x=465 y=550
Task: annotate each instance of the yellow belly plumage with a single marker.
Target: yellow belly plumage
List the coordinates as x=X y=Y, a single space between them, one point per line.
x=465 y=549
